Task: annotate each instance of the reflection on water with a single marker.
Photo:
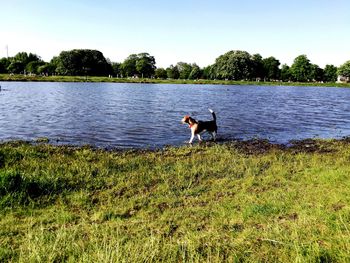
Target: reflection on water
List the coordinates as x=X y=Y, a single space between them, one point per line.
x=146 y=115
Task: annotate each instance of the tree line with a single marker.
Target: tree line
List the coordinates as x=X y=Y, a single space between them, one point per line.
x=233 y=65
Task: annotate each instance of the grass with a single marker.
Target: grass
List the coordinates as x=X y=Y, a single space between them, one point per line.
x=233 y=202
x=7 y=77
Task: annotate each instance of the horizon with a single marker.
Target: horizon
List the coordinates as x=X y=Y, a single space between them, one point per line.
x=193 y=32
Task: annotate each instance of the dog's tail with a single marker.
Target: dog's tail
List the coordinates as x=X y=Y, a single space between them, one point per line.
x=213 y=113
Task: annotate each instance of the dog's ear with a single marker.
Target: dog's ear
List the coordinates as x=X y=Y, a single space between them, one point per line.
x=191 y=120
x=185 y=119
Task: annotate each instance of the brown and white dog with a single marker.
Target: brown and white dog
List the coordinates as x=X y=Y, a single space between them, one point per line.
x=197 y=127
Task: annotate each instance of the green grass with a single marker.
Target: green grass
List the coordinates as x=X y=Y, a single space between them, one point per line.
x=234 y=202
x=7 y=77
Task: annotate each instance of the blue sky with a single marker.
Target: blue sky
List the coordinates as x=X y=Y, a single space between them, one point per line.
x=173 y=31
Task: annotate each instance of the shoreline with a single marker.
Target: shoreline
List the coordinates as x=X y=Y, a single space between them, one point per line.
x=22 y=78
x=249 y=146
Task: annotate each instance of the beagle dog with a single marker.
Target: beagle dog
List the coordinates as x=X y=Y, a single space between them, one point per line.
x=198 y=127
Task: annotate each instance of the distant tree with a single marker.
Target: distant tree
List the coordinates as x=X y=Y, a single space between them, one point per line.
x=235 y=65
x=4 y=63
x=139 y=64
x=344 y=70
x=129 y=66
x=196 y=72
x=3 y=69
x=80 y=62
x=160 y=73
x=16 y=67
x=32 y=67
x=172 y=72
x=258 y=67
x=117 y=69
x=69 y=63
x=184 y=69
x=285 y=73
x=19 y=62
x=330 y=73
x=302 y=69
x=317 y=73
x=271 y=68
x=46 y=69
x=145 y=65
x=51 y=67
x=25 y=58
x=207 y=72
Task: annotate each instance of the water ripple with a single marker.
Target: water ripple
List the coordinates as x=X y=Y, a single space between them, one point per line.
x=145 y=115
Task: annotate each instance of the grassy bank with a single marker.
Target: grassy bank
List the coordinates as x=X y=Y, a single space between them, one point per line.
x=243 y=201
x=7 y=77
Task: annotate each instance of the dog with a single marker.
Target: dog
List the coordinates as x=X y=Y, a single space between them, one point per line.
x=198 y=127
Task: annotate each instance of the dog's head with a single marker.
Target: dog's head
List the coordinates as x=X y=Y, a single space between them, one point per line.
x=186 y=119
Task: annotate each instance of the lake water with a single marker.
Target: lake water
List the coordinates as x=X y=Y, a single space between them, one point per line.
x=148 y=116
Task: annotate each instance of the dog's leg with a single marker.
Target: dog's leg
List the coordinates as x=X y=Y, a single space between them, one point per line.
x=213 y=135
x=192 y=137
x=199 y=137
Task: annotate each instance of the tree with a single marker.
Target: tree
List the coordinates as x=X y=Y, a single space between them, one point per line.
x=207 y=72
x=19 y=62
x=285 y=73
x=32 y=67
x=145 y=65
x=16 y=67
x=129 y=66
x=301 y=70
x=160 y=73
x=81 y=62
x=196 y=72
x=26 y=58
x=330 y=73
x=236 y=65
x=184 y=69
x=258 y=67
x=344 y=70
x=271 y=68
x=47 y=69
x=172 y=72
x=316 y=73
x=4 y=63
x=117 y=69
x=51 y=67
x=139 y=64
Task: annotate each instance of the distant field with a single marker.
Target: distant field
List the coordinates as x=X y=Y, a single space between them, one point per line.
x=234 y=202
x=7 y=77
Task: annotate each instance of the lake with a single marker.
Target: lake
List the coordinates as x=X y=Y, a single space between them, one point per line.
x=149 y=115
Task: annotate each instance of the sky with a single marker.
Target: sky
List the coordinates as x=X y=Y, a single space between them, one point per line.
x=192 y=31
